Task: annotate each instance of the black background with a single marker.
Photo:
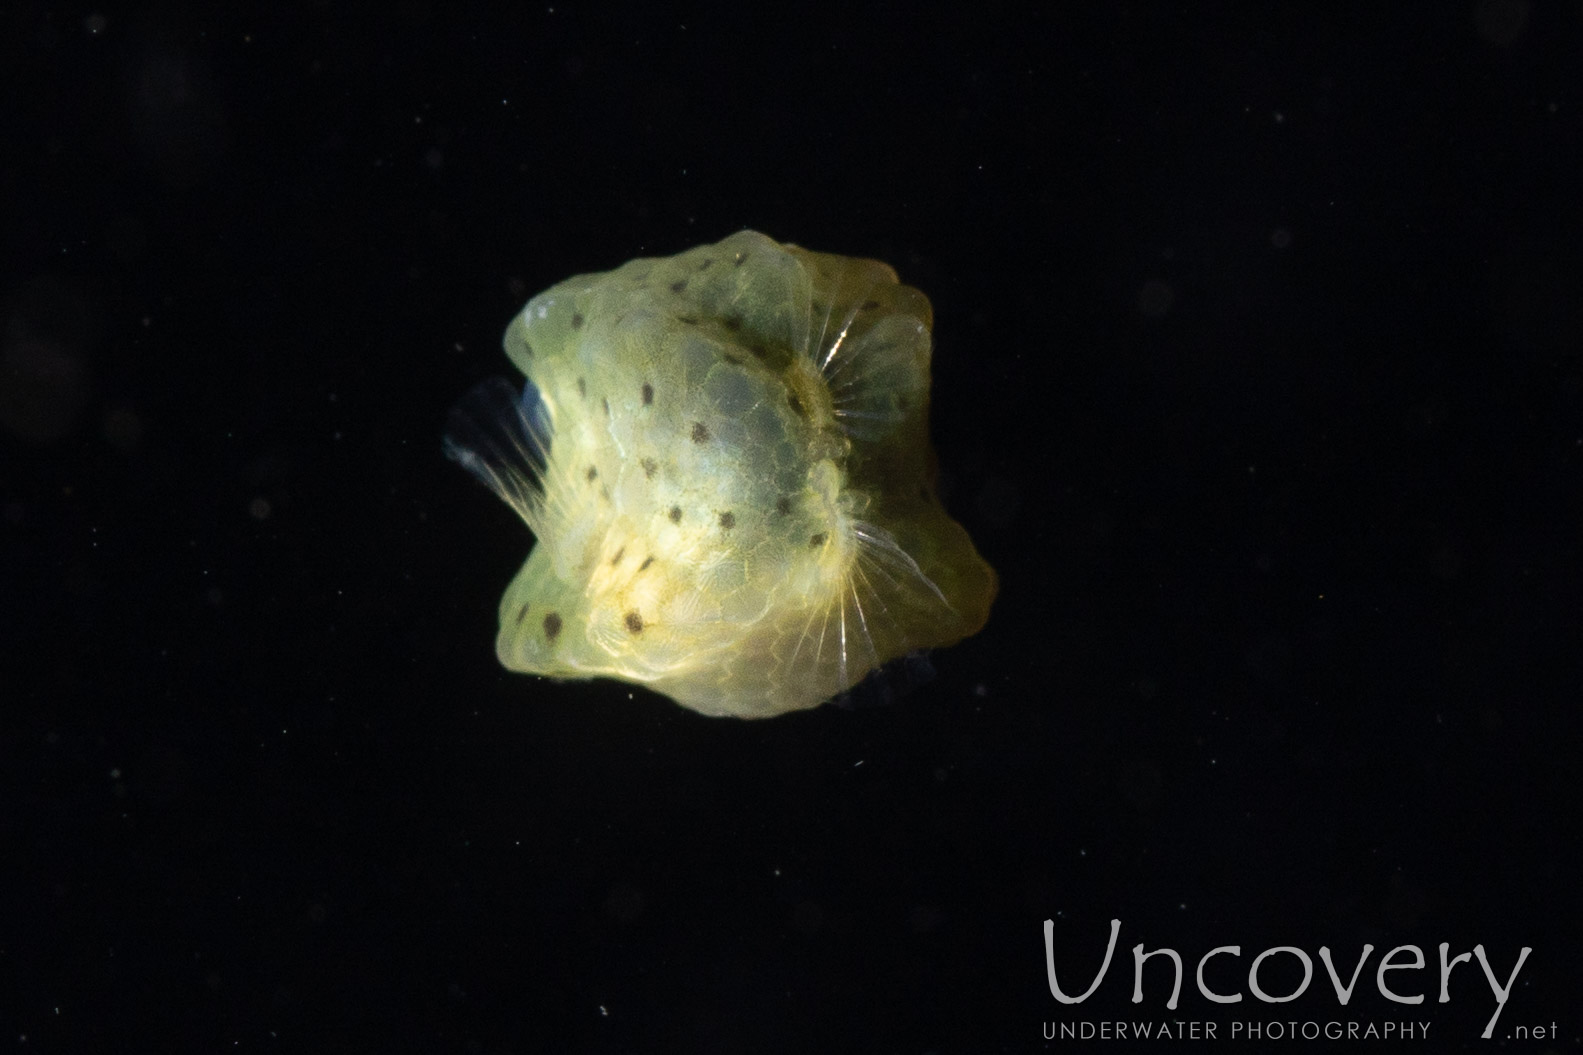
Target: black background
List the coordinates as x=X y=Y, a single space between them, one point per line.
x=1258 y=378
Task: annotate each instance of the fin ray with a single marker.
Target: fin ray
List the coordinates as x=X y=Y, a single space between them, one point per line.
x=503 y=439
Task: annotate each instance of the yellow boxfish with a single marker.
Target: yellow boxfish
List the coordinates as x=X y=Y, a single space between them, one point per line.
x=724 y=457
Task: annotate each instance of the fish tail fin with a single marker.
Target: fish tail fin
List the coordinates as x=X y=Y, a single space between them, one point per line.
x=503 y=438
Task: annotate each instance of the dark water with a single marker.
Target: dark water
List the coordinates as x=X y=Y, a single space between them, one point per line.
x=1258 y=378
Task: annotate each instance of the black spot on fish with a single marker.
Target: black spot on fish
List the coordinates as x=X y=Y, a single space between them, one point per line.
x=577 y=321
x=634 y=622
x=582 y=388
x=648 y=394
x=817 y=540
x=622 y=552
x=522 y=613
x=700 y=432
x=646 y=562
x=650 y=467
x=552 y=626
x=679 y=285
x=728 y=520
x=783 y=505
x=592 y=474
x=675 y=514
